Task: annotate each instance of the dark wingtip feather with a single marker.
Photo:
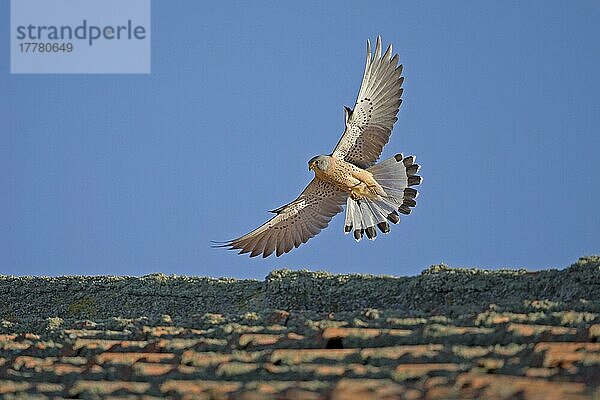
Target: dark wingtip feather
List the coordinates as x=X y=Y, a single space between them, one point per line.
x=347 y=228
x=414 y=180
x=393 y=217
x=408 y=161
x=398 y=157
x=411 y=170
x=410 y=193
x=371 y=233
x=358 y=234
x=404 y=209
x=409 y=202
x=384 y=227
x=215 y=244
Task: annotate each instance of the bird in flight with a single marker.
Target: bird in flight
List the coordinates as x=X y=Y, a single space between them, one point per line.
x=374 y=193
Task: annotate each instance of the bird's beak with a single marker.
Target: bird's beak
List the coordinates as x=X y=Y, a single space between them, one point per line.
x=311 y=166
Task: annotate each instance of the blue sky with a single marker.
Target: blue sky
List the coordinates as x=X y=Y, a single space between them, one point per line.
x=134 y=174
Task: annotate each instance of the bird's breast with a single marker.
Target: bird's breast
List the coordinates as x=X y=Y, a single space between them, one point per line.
x=358 y=182
x=341 y=174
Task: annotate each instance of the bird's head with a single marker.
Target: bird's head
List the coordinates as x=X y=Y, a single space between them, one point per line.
x=318 y=162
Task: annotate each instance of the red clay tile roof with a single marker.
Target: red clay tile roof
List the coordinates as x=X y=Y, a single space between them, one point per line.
x=541 y=347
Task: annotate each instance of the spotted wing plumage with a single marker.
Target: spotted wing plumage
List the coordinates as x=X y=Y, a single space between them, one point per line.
x=369 y=125
x=294 y=223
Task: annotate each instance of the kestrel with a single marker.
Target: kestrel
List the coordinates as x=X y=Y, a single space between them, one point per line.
x=373 y=193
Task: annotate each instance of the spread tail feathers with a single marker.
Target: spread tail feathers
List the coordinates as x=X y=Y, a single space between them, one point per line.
x=396 y=175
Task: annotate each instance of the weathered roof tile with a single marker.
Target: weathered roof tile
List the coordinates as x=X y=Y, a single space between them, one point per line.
x=399 y=344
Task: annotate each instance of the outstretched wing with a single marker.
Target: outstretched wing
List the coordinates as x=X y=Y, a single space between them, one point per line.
x=369 y=125
x=294 y=223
